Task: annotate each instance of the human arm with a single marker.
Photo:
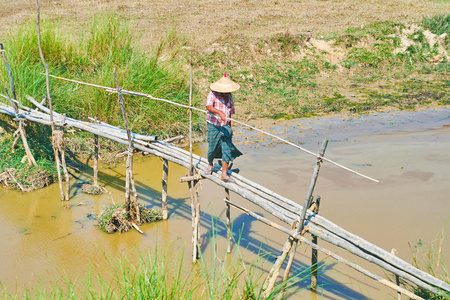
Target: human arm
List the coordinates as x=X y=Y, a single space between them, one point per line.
x=214 y=110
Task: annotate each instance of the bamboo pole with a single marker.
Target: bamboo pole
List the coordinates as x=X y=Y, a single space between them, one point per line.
x=47 y=80
x=13 y=89
x=275 y=271
x=62 y=151
x=397 y=278
x=197 y=216
x=21 y=125
x=228 y=213
x=164 y=189
x=314 y=253
x=21 y=130
x=312 y=184
x=195 y=210
x=291 y=243
x=137 y=94
x=131 y=206
x=96 y=149
x=190 y=119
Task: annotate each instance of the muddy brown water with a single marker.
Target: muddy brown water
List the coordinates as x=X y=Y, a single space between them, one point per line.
x=43 y=238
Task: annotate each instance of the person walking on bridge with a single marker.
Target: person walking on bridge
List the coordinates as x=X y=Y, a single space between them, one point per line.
x=220 y=107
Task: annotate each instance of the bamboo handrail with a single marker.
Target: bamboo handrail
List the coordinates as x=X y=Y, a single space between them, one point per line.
x=137 y=94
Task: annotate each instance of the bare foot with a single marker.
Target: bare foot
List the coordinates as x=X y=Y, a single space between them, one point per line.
x=209 y=170
x=228 y=180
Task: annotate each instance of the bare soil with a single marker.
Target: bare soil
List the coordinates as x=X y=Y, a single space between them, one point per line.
x=207 y=21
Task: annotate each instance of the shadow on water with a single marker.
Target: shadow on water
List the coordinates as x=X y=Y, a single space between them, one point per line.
x=241 y=234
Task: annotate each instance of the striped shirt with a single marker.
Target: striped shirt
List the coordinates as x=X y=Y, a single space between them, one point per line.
x=218 y=101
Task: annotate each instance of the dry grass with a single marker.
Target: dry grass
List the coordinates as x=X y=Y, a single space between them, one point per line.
x=204 y=22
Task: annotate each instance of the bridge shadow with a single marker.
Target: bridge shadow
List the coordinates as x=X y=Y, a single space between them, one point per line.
x=252 y=241
x=242 y=235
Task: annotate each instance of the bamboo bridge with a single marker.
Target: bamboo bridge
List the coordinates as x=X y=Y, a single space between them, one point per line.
x=293 y=219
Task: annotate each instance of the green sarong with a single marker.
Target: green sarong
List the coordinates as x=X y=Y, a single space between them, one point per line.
x=220 y=146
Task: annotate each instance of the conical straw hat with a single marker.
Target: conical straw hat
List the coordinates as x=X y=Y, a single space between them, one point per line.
x=224 y=85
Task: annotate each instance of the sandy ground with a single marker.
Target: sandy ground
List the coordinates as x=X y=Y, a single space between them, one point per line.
x=204 y=22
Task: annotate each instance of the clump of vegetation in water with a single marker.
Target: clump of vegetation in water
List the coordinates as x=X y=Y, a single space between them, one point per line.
x=14 y=169
x=430 y=260
x=116 y=218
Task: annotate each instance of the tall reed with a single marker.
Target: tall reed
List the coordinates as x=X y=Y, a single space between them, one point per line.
x=430 y=260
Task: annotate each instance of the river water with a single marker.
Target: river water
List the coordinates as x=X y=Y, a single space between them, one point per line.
x=43 y=238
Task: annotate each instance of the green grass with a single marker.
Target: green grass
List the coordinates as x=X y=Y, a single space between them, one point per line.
x=92 y=57
x=429 y=259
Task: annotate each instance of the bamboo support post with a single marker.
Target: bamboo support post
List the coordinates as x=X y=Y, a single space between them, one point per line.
x=164 y=189
x=131 y=206
x=273 y=274
x=275 y=271
x=47 y=81
x=314 y=253
x=13 y=89
x=21 y=125
x=62 y=151
x=312 y=184
x=282 y=294
x=21 y=131
x=195 y=209
x=228 y=213
x=96 y=149
x=397 y=278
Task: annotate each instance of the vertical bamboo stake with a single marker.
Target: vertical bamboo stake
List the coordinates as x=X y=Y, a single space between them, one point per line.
x=131 y=206
x=195 y=209
x=227 y=196
x=275 y=271
x=63 y=160
x=164 y=189
x=273 y=274
x=314 y=254
x=193 y=188
x=282 y=294
x=13 y=89
x=96 y=149
x=21 y=125
x=21 y=130
x=193 y=214
x=190 y=120
x=41 y=54
x=397 y=278
x=197 y=216
x=312 y=185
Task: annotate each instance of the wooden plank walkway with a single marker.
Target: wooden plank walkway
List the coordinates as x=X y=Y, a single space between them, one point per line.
x=285 y=210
